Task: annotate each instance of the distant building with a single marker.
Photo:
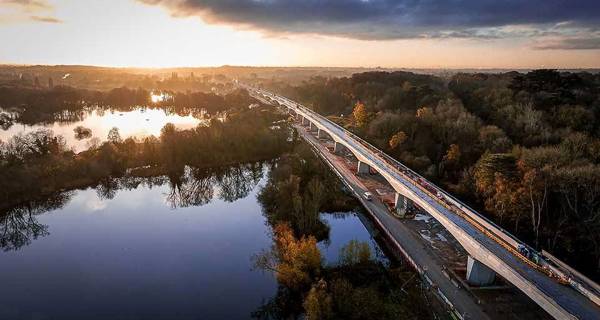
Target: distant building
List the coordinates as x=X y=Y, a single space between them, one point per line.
x=36 y=82
x=174 y=76
x=50 y=83
x=192 y=75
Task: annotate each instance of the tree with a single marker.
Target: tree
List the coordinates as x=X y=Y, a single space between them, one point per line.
x=313 y=200
x=397 y=139
x=93 y=143
x=361 y=115
x=296 y=262
x=384 y=125
x=497 y=183
x=493 y=139
x=114 y=136
x=453 y=154
x=82 y=132
x=171 y=147
x=425 y=113
x=355 y=252
x=450 y=160
x=318 y=303
x=537 y=167
x=491 y=163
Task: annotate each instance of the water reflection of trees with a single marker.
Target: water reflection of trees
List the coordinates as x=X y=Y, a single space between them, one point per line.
x=6 y=120
x=197 y=186
x=192 y=187
x=107 y=188
x=236 y=182
x=19 y=225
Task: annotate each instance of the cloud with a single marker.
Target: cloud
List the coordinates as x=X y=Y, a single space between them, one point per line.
x=28 y=5
x=14 y=11
x=389 y=19
x=45 y=19
x=570 y=44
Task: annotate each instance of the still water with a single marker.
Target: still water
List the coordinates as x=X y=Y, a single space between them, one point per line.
x=140 y=251
x=138 y=123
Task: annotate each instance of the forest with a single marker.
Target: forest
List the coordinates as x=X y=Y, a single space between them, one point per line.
x=522 y=148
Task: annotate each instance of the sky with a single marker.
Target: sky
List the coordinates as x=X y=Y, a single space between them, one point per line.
x=337 y=33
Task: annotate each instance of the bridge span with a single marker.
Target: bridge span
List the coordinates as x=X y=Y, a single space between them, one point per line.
x=562 y=292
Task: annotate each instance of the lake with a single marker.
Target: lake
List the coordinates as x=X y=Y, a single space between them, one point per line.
x=139 y=123
x=139 y=251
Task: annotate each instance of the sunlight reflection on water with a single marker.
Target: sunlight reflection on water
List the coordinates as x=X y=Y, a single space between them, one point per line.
x=137 y=123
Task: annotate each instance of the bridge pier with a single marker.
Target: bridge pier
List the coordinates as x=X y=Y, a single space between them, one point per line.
x=479 y=274
x=400 y=204
x=312 y=127
x=363 y=167
x=321 y=134
x=338 y=148
x=305 y=121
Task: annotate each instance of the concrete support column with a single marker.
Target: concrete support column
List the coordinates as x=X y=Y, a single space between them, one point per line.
x=338 y=148
x=362 y=167
x=320 y=134
x=400 y=204
x=478 y=274
x=312 y=127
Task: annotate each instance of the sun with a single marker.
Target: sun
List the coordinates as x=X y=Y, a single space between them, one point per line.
x=156 y=98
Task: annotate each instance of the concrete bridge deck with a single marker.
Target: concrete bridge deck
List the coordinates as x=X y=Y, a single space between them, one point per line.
x=487 y=244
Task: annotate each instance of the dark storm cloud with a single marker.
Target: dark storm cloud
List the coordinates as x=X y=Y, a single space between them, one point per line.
x=389 y=19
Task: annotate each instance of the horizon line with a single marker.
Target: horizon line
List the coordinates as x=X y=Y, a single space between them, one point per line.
x=2 y=64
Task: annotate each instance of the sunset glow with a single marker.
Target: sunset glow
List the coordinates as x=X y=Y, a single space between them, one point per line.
x=161 y=34
x=157 y=97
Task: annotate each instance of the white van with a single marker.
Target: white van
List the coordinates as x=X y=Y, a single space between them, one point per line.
x=368 y=196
